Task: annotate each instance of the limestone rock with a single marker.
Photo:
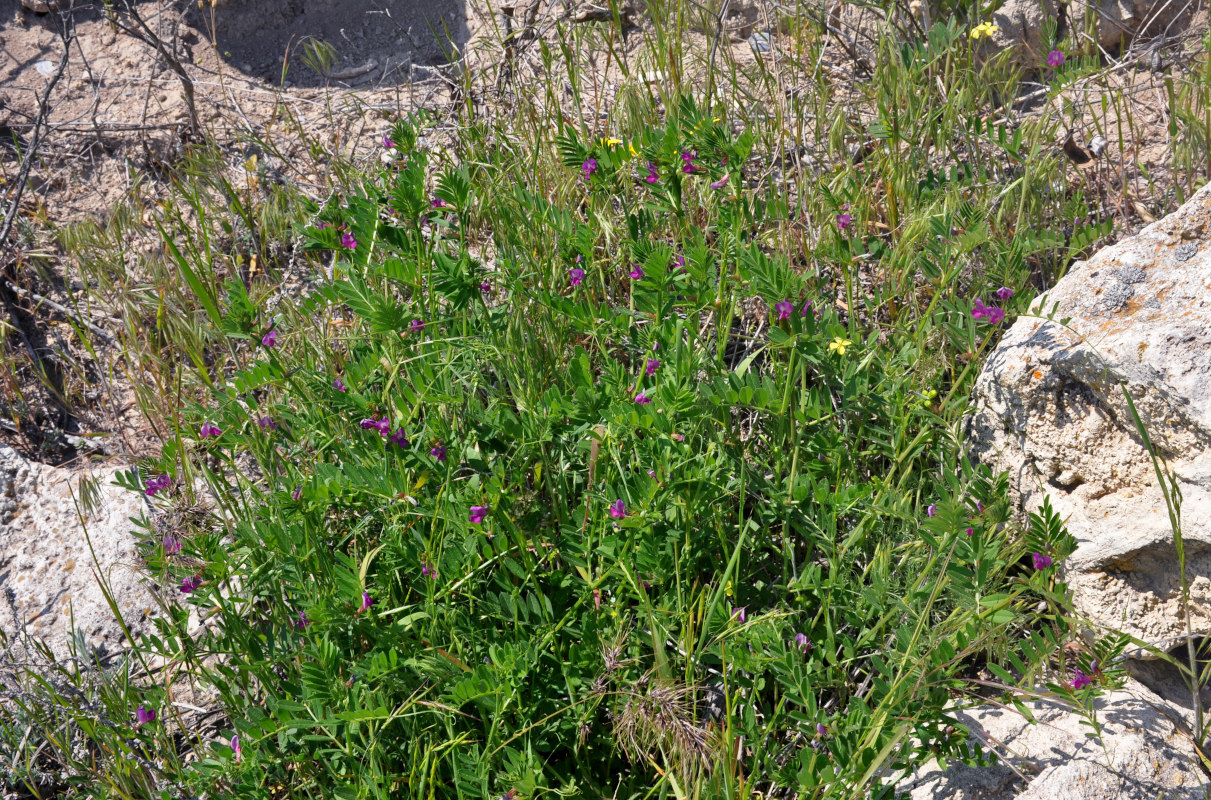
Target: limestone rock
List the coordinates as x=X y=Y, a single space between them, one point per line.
x=1120 y=21
x=1050 y=410
x=45 y=559
x=1020 y=26
x=1142 y=754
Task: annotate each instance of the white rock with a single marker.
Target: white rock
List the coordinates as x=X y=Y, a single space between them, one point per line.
x=46 y=562
x=1050 y=410
x=1142 y=754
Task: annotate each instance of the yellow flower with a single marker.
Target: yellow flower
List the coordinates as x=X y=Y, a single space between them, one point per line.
x=611 y=143
x=838 y=345
x=634 y=152
x=985 y=29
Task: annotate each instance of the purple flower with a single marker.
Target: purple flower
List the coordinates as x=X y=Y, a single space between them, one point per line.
x=588 y=168
x=843 y=221
x=270 y=339
x=399 y=438
x=235 y=748
x=267 y=422
x=485 y=287
x=439 y=452
x=417 y=326
x=477 y=514
x=367 y=601
x=302 y=622
x=636 y=272
x=688 y=166
x=1055 y=59
x=994 y=315
x=172 y=545
x=1041 y=561
x=339 y=385
x=738 y=614
x=427 y=570
x=190 y=585
x=719 y=184
x=157 y=484
x=1080 y=680
x=347 y=241
x=387 y=143
x=1004 y=293
x=144 y=716
x=807 y=306
x=970 y=531
x=437 y=202
x=297 y=493
x=651 y=367
x=931 y=510
x=651 y=473
x=576 y=275
x=802 y=643
x=784 y=309
x=642 y=398
x=618 y=509
x=820 y=729
x=979 y=309
x=367 y=424
x=209 y=430
x=680 y=263
x=652 y=177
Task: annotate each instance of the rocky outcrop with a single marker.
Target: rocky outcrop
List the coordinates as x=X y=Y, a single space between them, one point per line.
x=47 y=568
x=1144 y=753
x=1050 y=409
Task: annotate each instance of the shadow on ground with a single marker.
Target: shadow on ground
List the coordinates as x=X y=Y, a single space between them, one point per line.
x=372 y=43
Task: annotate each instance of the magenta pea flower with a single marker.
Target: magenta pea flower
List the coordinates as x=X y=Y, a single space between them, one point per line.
x=618 y=509
x=427 y=570
x=931 y=510
x=172 y=545
x=367 y=601
x=807 y=306
x=738 y=614
x=784 y=309
x=970 y=531
x=190 y=585
x=235 y=749
x=157 y=484
x=367 y=424
x=145 y=716
x=651 y=367
x=302 y=622
x=269 y=339
x=688 y=167
x=821 y=730
x=477 y=514
x=1080 y=680
x=576 y=276
x=339 y=385
x=642 y=398
x=1055 y=59
x=802 y=643
x=994 y=315
x=843 y=221
x=719 y=184
x=588 y=168
x=636 y=272
x=297 y=493
x=267 y=423
x=651 y=473
x=651 y=177
x=387 y=143
x=439 y=452
x=1004 y=293
x=399 y=438
x=1041 y=561
x=347 y=241
x=209 y=429
x=485 y=287
x=417 y=326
